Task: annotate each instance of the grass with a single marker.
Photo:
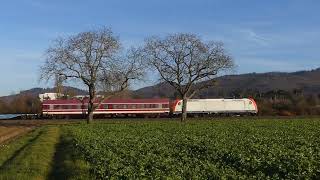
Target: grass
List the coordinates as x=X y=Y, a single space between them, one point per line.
x=33 y=160
x=68 y=162
x=160 y=149
x=9 y=149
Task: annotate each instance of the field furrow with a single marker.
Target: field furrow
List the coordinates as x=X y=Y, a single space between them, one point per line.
x=7 y=133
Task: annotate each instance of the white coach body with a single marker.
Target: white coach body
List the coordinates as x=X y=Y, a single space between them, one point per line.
x=217 y=106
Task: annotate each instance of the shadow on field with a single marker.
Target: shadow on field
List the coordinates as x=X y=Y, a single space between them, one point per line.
x=68 y=163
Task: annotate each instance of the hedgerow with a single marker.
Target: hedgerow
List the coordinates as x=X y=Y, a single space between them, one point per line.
x=243 y=149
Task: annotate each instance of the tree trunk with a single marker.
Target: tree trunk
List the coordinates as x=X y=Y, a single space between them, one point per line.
x=91 y=104
x=184 y=109
x=90 y=117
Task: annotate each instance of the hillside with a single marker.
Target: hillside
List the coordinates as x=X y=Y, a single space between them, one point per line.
x=228 y=86
x=34 y=92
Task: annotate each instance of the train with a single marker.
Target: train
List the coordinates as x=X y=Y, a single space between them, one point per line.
x=148 y=107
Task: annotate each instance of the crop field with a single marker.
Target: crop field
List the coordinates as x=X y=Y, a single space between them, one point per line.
x=198 y=149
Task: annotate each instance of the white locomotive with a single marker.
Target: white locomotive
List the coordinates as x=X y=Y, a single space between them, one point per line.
x=217 y=106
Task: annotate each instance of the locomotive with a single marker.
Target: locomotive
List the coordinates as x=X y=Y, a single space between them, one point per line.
x=148 y=107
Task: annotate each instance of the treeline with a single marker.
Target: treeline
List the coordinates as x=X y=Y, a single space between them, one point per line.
x=284 y=103
x=21 y=104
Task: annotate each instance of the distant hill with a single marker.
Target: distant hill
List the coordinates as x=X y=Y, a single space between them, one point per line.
x=227 y=86
x=307 y=81
x=34 y=92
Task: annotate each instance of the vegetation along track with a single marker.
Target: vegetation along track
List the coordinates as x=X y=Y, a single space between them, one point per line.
x=31 y=156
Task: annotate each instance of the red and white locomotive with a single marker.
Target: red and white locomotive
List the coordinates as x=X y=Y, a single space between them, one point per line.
x=148 y=107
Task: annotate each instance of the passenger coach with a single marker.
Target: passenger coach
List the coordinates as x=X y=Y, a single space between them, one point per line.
x=108 y=107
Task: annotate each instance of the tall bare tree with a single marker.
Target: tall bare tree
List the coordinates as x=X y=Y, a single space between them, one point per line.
x=94 y=59
x=58 y=85
x=186 y=62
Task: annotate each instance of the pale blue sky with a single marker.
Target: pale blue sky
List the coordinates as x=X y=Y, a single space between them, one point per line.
x=262 y=36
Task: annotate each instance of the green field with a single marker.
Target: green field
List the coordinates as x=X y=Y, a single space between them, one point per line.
x=198 y=149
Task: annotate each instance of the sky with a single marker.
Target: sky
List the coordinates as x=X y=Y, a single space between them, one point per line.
x=261 y=36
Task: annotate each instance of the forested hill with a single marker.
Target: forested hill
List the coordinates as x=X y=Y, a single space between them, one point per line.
x=307 y=82
x=34 y=92
x=230 y=86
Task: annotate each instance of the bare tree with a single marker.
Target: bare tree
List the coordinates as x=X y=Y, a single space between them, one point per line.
x=92 y=58
x=183 y=60
x=58 y=85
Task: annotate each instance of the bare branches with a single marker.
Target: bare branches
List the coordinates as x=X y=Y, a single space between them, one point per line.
x=183 y=60
x=92 y=58
x=80 y=56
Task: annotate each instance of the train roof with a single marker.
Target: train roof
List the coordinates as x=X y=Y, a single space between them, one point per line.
x=221 y=99
x=76 y=101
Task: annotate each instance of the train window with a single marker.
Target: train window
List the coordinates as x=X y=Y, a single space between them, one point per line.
x=56 y=107
x=147 y=105
x=64 y=107
x=45 y=107
x=154 y=106
x=140 y=106
x=105 y=106
x=133 y=106
x=165 y=105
